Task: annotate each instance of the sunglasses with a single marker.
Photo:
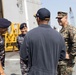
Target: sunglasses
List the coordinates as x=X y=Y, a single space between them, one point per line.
x=59 y=18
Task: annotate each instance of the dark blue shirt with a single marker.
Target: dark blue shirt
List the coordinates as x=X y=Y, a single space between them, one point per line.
x=44 y=47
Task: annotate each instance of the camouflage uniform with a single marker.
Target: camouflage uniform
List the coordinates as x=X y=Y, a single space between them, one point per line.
x=4 y=24
x=65 y=67
x=2 y=51
x=23 y=65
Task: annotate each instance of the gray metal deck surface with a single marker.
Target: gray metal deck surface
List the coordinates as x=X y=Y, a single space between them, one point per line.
x=12 y=64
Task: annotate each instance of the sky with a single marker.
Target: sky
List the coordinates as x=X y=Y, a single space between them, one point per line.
x=59 y=5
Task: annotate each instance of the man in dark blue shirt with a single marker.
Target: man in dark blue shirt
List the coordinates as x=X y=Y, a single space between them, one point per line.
x=43 y=46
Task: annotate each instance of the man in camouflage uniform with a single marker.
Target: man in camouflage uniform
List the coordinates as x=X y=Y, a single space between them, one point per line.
x=65 y=67
x=20 y=39
x=4 y=24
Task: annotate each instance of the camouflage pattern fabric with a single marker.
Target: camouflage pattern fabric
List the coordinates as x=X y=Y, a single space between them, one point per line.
x=65 y=67
x=64 y=70
x=2 y=51
x=24 y=67
x=69 y=34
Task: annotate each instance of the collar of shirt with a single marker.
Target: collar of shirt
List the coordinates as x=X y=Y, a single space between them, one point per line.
x=44 y=25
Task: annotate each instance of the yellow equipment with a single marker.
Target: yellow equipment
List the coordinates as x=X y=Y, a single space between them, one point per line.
x=11 y=36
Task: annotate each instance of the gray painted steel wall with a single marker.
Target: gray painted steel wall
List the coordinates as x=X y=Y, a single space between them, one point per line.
x=33 y=6
x=15 y=11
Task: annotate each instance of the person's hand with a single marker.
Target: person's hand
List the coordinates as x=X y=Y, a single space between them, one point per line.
x=1 y=70
x=2 y=73
x=67 y=56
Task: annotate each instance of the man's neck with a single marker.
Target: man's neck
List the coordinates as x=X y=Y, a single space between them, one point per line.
x=65 y=25
x=43 y=22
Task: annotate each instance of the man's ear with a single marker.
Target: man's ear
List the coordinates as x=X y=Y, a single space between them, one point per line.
x=38 y=18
